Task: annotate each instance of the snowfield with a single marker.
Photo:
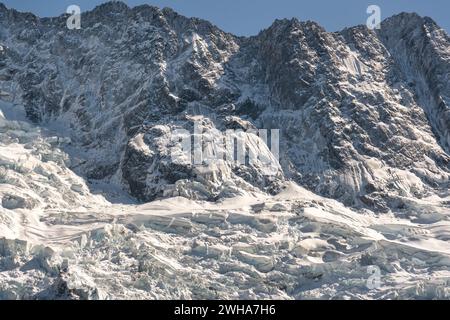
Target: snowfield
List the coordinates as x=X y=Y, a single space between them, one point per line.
x=61 y=240
x=98 y=199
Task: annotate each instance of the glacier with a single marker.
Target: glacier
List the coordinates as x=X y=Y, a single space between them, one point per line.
x=93 y=206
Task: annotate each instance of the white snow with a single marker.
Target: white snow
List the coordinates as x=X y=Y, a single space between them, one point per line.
x=61 y=237
x=292 y=245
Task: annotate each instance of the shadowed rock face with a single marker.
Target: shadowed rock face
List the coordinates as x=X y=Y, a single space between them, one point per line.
x=364 y=115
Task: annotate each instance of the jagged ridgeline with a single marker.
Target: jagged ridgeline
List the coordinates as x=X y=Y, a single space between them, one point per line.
x=364 y=114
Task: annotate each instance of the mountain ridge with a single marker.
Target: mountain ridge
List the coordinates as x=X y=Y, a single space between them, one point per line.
x=100 y=200
x=161 y=67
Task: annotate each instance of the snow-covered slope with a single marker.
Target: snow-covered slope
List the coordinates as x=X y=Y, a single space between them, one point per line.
x=94 y=205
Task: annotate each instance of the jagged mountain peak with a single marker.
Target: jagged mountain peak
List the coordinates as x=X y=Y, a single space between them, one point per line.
x=112 y=7
x=410 y=22
x=404 y=19
x=287 y=26
x=120 y=81
x=360 y=116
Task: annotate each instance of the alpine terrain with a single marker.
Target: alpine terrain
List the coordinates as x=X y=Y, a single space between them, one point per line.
x=345 y=196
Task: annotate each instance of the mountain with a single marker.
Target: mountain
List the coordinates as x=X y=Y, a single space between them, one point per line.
x=92 y=117
x=364 y=115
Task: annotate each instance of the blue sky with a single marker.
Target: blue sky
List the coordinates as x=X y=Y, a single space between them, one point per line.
x=248 y=17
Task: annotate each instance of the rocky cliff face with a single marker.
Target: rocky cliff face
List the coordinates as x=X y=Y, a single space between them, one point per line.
x=363 y=118
x=364 y=115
